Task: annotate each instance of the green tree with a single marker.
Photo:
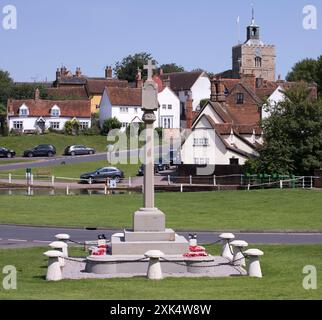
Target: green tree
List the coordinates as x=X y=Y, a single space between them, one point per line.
x=292 y=135
x=6 y=84
x=171 y=67
x=127 y=68
x=109 y=124
x=308 y=70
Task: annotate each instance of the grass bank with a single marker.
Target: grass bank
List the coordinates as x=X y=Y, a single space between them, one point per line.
x=229 y=210
x=281 y=265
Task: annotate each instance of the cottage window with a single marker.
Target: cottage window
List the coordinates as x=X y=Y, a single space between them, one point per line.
x=124 y=109
x=55 y=112
x=201 y=142
x=234 y=161
x=23 y=111
x=18 y=125
x=240 y=98
x=54 y=125
x=167 y=122
x=83 y=125
x=169 y=106
x=164 y=106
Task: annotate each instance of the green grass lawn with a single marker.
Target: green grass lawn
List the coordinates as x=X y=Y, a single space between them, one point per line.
x=13 y=161
x=281 y=266
x=60 y=141
x=76 y=169
x=227 y=210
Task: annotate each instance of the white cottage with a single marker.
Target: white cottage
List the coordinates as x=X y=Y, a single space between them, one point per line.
x=188 y=84
x=38 y=115
x=122 y=103
x=125 y=104
x=217 y=139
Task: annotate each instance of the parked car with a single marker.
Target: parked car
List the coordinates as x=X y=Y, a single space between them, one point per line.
x=157 y=168
x=78 y=150
x=100 y=175
x=4 y=152
x=40 y=150
x=174 y=157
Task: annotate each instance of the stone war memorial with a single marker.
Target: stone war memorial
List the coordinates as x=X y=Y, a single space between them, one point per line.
x=150 y=248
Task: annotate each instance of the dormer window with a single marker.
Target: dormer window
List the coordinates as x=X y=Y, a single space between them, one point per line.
x=240 y=98
x=23 y=111
x=55 y=111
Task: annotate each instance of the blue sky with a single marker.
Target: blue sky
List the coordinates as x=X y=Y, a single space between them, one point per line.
x=193 y=33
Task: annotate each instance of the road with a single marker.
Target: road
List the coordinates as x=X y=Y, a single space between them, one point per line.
x=45 y=162
x=24 y=236
x=54 y=161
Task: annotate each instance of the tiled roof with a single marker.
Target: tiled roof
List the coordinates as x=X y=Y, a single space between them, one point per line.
x=97 y=86
x=42 y=108
x=180 y=81
x=72 y=81
x=78 y=92
x=125 y=96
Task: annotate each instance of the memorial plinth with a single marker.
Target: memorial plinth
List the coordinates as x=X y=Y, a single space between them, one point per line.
x=149 y=223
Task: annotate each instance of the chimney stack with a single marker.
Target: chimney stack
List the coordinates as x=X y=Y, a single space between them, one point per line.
x=109 y=72
x=189 y=112
x=58 y=74
x=37 y=94
x=250 y=80
x=78 y=72
x=166 y=82
x=217 y=90
x=138 y=78
x=161 y=72
x=221 y=97
x=213 y=96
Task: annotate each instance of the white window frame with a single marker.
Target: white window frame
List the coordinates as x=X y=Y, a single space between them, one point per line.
x=23 y=111
x=17 y=125
x=55 y=111
x=83 y=125
x=201 y=142
x=124 y=110
x=55 y=125
x=169 y=106
x=167 y=122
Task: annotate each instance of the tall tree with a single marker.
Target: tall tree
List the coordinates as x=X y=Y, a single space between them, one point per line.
x=6 y=84
x=292 y=135
x=127 y=68
x=171 y=67
x=308 y=70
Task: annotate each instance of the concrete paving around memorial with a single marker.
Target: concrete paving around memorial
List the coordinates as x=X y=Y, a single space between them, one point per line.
x=13 y=236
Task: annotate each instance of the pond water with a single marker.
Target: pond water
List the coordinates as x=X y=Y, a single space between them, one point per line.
x=57 y=192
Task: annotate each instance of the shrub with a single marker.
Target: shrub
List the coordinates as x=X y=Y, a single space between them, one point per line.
x=72 y=127
x=109 y=124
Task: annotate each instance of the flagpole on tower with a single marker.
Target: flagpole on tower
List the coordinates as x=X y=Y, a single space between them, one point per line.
x=238 y=29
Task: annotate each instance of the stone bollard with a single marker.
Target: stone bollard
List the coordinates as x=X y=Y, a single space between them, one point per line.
x=226 y=249
x=64 y=237
x=154 y=269
x=61 y=247
x=54 y=270
x=239 y=258
x=254 y=268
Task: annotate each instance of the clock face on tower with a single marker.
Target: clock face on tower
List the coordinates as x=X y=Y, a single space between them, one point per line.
x=258 y=52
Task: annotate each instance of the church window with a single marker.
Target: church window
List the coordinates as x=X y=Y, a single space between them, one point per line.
x=258 y=62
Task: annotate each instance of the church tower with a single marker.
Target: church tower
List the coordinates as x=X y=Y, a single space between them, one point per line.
x=254 y=57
